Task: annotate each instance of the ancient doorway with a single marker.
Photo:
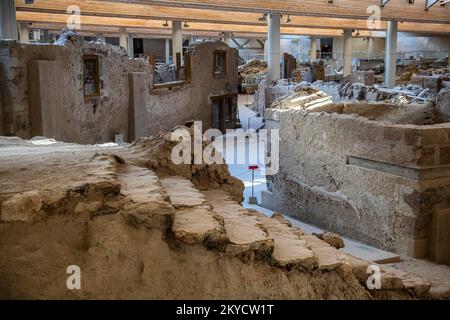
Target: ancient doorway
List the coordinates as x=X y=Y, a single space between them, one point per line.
x=224 y=112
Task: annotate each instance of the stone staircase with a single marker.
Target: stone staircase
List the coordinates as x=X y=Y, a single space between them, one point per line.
x=195 y=222
x=147 y=204
x=212 y=219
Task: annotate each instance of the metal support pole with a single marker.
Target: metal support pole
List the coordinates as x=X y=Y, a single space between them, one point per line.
x=391 y=55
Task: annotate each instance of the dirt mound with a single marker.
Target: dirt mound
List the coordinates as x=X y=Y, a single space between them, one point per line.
x=303 y=97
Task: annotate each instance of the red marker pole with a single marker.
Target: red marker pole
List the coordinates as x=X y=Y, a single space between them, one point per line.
x=253 y=199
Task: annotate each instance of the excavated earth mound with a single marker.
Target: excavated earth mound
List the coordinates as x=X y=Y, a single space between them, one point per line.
x=140 y=227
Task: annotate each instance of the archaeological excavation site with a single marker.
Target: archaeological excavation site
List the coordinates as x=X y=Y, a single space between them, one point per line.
x=225 y=150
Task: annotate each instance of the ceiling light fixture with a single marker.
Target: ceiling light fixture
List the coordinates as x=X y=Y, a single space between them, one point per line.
x=166 y=24
x=263 y=17
x=288 y=19
x=185 y=25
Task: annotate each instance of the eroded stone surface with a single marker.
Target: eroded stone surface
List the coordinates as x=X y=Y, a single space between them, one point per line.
x=97 y=219
x=328 y=257
x=148 y=203
x=290 y=249
x=195 y=225
x=392 y=278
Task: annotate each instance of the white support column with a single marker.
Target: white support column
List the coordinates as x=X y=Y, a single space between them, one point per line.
x=177 y=41
x=123 y=38
x=348 y=52
x=313 y=50
x=390 y=62
x=24 y=32
x=273 y=50
x=8 y=20
x=167 y=50
x=130 y=45
x=370 y=48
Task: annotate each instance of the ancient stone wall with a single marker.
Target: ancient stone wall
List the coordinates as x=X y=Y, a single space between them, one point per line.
x=382 y=183
x=78 y=118
x=43 y=92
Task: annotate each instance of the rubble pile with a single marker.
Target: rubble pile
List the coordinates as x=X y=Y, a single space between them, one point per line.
x=401 y=94
x=165 y=73
x=67 y=36
x=405 y=74
x=365 y=77
x=360 y=92
x=253 y=68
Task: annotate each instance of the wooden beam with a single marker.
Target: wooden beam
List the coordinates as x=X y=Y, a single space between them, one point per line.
x=153 y=12
x=396 y=10
x=156 y=24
